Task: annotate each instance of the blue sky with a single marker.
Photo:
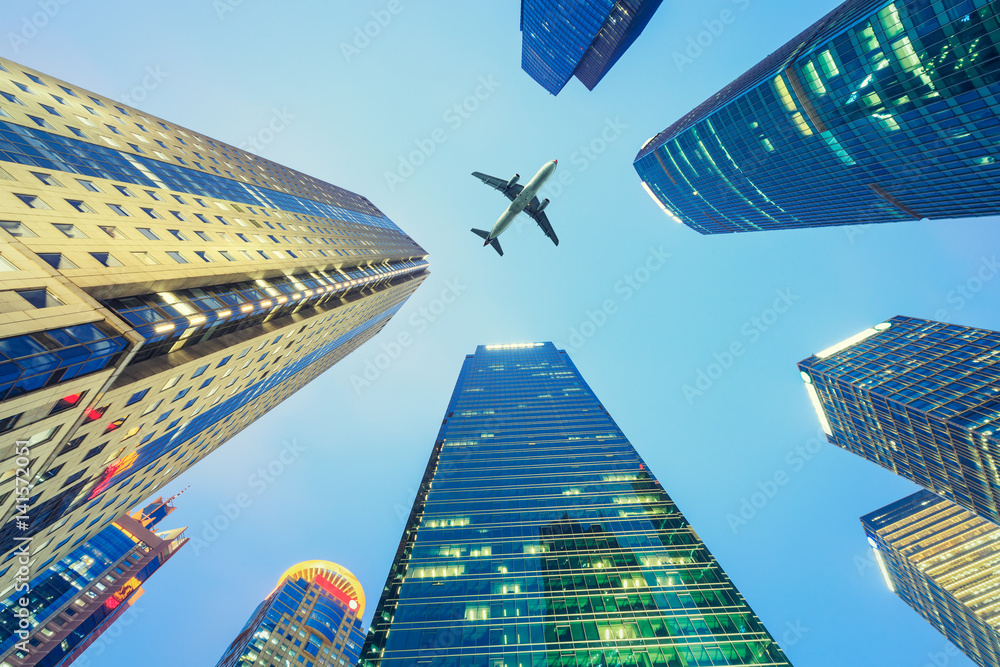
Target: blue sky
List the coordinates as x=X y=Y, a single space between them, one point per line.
x=229 y=68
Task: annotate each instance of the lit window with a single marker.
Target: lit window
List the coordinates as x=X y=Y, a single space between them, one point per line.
x=16 y=228
x=70 y=231
x=106 y=259
x=31 y=201
x=39 y=298
x=57 y=260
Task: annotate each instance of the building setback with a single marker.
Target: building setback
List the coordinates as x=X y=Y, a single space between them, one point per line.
x=583 y=39
x=539 y=537
x=919 y=398
x=311 y=618
x=72 y=603
x=159 y=291
x=879 y=112
x=944 y=562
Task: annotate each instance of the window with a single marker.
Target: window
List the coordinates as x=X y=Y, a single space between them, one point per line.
x=202 y=235
x=106 y=259
x=122 y=189
x=179 y=199
x=69 y=91
x=120 y=210
x=148 y=233
x=16 y=229
x=48 y=179
x=145 y=258
x=41 y=122
x=263 y=254
x=31 y=201
x=57 y=261
x=70 y=231
x=10 y=98
x=112 y=232
x=5 y=265
x=177 y=257
x=152 y=213
x=114 y=130
x=177 y=214
x=152 y=195
x=226 y=256
x=39 y=298
x=178 y=235
x=80 y=206
x=137 y=396
x=151 y=408
x=205 y=257
x=88 y=185
x=202 y=218
x=94 y=452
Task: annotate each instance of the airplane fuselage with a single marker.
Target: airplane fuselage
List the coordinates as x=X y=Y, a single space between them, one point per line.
x=523 y=199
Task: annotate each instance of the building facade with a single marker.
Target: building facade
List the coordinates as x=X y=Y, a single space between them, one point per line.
x=69 y=605
x=921 y=399
x=312 y=618
x=159 y=291
x=879 y=112
x=944 y=562
x=582 y=39
x=539 y=537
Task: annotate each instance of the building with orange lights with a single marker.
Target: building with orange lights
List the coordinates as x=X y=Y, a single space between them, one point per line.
x=311 y=618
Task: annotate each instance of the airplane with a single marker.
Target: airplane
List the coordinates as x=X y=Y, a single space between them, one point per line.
x=522 y=198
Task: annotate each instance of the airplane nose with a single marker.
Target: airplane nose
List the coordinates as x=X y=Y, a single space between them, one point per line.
x=556 y=161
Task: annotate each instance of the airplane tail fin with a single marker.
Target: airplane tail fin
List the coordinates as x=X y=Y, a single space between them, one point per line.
x=481 y=234
x=496 y=246
x=486 y=235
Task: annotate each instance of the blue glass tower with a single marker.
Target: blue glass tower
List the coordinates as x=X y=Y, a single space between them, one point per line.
x=312 y=618
x=540 y=538
x=879 y=112
x=921 y=399
x=583 y=38
x=68 y=606
x=944 y=562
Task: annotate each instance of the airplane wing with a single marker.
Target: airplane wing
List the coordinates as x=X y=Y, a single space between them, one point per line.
x=541 y=219
x=500 y=184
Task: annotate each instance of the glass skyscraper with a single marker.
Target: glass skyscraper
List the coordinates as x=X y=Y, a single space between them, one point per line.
x=879 y=112
x=159 y=291
x=944 y=562
x=70 y=604
x=921 y=399
x=540 y=538
x=312 y=618
x=583 y=39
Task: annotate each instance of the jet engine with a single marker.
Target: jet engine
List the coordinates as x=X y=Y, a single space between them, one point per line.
x=541 y=207
x=513 y=180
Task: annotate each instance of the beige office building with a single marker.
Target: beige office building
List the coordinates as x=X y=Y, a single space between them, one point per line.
x=159 y=291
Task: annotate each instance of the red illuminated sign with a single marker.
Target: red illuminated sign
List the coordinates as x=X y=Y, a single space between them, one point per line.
x=326 y=585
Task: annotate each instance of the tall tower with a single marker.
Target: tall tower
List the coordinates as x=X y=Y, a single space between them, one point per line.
x=539 y=536
x=69 y=605
x=583 y=39
x=159 y=290
x=881 y=111
x=921 y=399
x=944 y=562
x=313 y=616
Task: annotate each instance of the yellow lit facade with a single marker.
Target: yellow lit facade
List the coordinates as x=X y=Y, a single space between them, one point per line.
x=159 y=291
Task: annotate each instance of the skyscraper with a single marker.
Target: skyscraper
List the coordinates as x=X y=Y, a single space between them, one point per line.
x=539 y=537
x=945 y=563
x=921 y=399
x=312 y=618
x=583 y=39
x=879 y=112
x=160 y=291
x=69 y=605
